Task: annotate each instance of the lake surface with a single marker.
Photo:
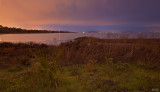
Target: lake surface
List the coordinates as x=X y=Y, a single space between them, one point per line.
x=57 y=38
x=47 y=38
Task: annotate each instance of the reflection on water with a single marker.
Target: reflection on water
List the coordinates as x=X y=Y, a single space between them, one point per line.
x=57 y=38
x=47 y=38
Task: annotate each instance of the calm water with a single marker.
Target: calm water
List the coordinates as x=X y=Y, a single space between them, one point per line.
x=57 y=38
x=47 y=38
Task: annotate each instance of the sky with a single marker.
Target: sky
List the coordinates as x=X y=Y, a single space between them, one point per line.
x=82 y=15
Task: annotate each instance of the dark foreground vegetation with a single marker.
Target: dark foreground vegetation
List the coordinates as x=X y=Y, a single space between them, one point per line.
x=84 y=65
x=7 y=30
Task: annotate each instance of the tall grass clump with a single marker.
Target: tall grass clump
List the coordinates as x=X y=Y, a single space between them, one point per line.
x=43 y=76
x=48 y=71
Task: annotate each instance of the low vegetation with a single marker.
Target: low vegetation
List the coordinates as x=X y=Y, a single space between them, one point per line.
x=84 y=65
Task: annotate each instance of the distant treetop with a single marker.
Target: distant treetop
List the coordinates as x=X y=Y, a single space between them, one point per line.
x=8 y=30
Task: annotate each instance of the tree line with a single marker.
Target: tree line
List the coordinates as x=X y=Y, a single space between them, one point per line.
x=8 y=30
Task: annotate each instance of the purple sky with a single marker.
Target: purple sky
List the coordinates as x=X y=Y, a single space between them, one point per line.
x=82 y=15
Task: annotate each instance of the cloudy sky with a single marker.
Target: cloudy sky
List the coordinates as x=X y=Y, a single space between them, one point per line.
x=82 y=15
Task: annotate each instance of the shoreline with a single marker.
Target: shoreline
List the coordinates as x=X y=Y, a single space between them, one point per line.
x=119 y=49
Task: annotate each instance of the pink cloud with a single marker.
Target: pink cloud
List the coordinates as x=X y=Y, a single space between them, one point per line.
x=78 y=12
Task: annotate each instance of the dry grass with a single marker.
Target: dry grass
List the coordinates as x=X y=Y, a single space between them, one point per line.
x=128 y=50
x=84 y=49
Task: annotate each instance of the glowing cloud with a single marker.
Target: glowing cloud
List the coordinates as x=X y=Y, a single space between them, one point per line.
x=26 y=13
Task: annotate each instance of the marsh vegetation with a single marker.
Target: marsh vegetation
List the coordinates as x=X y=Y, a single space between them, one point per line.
x=84 y=65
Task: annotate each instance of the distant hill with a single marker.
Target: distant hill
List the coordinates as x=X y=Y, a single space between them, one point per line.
x=8 y=30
